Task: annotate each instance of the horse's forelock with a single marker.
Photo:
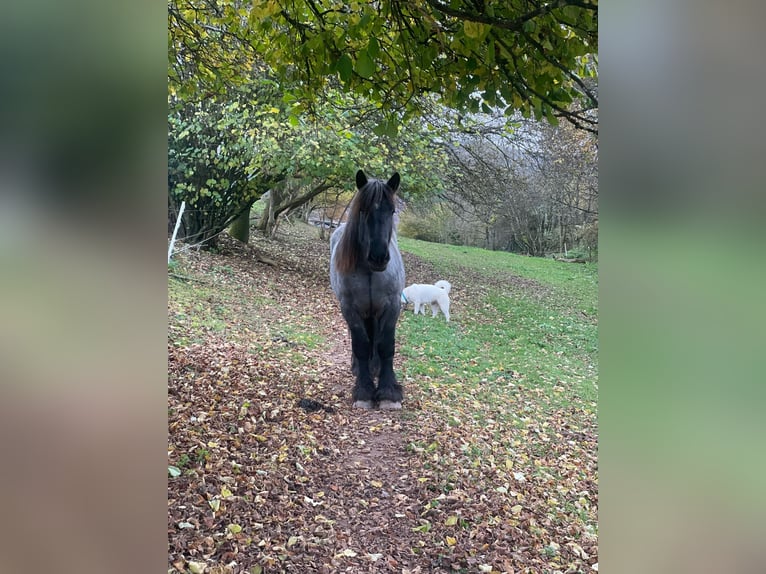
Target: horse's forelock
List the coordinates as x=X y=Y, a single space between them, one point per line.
x=373 y=193
x=365 y=200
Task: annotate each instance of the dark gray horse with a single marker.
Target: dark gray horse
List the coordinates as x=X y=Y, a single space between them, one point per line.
x=367 y=276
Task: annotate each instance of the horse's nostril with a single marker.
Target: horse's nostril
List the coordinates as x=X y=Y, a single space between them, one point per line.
x=379 y=264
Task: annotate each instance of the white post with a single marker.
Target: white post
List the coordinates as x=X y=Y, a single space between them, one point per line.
x=175 y=231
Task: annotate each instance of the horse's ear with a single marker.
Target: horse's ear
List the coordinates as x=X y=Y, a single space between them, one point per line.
x=393 y=183
x=361 y=179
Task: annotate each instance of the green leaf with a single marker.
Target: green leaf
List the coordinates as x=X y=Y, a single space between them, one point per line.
x=373 y=49
x=553 y=120
x=263 y=9
x=491 y=51
x=365 y=67
x=425 y=527
x=474 y=29
x=345 y=66
x=174 y=471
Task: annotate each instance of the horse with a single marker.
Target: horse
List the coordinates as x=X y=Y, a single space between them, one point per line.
x=367 y=277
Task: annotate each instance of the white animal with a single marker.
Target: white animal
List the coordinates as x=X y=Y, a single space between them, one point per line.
x=436 y=295
x=444 y=285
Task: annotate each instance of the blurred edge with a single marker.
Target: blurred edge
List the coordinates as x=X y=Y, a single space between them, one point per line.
x=82 y=318
x=683 y=319
x=82 y=322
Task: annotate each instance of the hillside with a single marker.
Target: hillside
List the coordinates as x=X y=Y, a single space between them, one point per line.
x=490 y=466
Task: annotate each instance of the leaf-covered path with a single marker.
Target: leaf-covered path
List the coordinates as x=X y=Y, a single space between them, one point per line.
x=273 y=471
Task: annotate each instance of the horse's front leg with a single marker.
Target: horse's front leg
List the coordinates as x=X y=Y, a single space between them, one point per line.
x=361 y=351
x=389 y=394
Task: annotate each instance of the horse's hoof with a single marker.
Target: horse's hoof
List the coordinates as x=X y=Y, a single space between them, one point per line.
x=363 y=405
x=390 y=405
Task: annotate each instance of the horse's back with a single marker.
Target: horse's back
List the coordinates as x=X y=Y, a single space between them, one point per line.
x=396 y=265
x=334 y=278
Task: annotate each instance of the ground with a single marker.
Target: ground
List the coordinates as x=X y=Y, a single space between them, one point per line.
x=261 y=482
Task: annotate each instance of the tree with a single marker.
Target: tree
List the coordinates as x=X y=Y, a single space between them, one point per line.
x=532 y=56
x=226 y=152
x=213 y=148
x=320 y=150
x=523 y=55
x=208 y=49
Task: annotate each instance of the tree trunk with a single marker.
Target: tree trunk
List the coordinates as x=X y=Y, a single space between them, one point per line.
x=267 y=218
x=562 y=238
x=240 y=227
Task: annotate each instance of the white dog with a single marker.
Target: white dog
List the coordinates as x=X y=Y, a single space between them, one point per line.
x=443 y=285
x=435 y=295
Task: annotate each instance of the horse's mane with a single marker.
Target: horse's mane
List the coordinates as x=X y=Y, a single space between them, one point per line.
x=347 y=251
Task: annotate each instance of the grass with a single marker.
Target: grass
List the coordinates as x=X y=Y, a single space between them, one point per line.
x=540 y=334
x=574 y=284
x=193 y=305
x=526 y=322
x=220 y=301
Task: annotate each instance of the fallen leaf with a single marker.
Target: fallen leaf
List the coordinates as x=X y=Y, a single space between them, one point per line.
x=347 y=553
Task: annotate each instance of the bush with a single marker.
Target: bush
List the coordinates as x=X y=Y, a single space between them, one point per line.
x=423 y=227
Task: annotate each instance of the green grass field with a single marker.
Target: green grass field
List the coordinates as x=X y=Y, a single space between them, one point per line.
x=542 y=329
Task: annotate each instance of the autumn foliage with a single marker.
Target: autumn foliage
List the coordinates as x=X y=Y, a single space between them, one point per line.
x=264 y=480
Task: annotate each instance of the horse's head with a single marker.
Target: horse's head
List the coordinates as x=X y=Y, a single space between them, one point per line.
x=377 y=203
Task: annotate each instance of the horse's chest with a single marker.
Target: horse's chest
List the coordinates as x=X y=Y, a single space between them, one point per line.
x=370 y=295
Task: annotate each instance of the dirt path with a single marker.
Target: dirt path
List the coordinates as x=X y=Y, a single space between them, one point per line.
x=370 y=486
x=333 y=490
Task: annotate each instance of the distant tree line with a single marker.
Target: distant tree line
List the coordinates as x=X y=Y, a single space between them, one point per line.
x=525 y=186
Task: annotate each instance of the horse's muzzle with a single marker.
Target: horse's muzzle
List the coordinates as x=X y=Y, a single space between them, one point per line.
x=376 y=265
